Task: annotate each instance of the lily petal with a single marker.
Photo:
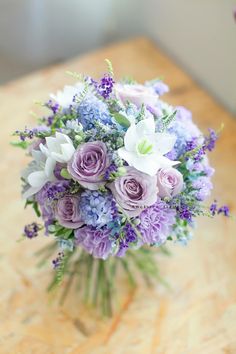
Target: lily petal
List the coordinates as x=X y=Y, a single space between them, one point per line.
x=146 y=126
x=164 y=142
x=37 y=179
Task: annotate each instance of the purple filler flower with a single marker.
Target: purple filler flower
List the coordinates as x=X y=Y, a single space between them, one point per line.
x=95 y=241
x=89 y=163
x=156 y=223
x=68 y=212
x=135 y=191
x=31 y=230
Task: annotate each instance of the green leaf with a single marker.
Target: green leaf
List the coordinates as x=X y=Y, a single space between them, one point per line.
x=21 y=144
x=121 y=119
x=36 y=209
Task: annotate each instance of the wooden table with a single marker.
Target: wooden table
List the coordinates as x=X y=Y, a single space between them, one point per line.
x=198 y=314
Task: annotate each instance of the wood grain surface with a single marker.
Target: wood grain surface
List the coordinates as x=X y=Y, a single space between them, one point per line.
x=196 y=315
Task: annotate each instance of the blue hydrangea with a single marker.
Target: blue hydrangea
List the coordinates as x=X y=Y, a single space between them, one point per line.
x=185 y=130
x=98 y=209
x=92 y=109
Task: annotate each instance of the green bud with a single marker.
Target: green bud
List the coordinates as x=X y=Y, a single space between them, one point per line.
x=65 y=174
x=121 y=171
x=78 y=138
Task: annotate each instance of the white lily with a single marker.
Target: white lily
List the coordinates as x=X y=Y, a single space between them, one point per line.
x=59 y=148
x=39 y=173
x=65 y=97
x=144 y=148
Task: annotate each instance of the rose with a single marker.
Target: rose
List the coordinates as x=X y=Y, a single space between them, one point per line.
x=136 y=94
x=134 y=191
x=88 y=164
x=169 y=182
x=68 y=212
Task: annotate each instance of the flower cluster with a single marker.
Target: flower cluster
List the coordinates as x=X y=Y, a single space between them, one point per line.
x=116 y=168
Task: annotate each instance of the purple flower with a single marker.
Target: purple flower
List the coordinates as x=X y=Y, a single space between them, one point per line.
x=213 y=208
x=211 y=140
x=135 y=191
x=160 y=88
x=156 y=223
x=129 y=237
x=31 y=230
x=95 y=241
x=105 y=86
x=68 y=212
x=203 y=186
x=89 y=163
x=169 y=182
x=224 y=210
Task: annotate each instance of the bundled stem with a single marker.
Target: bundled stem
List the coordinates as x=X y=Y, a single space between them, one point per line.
x=97 y=277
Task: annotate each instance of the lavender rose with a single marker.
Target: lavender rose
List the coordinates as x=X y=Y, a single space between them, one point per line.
x=94 y=241
x=136 y=94
x=68 y=212
x=169 y=182
x=88 y=164
x=135 y=191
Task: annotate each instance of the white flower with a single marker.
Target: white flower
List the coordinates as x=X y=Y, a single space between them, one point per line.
x=65 y=97
x=136 y=94
x=39 y=173
x=59 y=148
x=73 y=125
x=144 y=149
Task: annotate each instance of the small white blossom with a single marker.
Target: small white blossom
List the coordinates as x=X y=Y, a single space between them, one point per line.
x=65 y=97
x=59 y=148
x=39 y=173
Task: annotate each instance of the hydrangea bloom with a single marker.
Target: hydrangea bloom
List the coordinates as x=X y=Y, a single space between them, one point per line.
x=98 y=209
x=91 y=110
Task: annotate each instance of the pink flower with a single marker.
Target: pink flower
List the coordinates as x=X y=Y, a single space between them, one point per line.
x=169 y=182
x=68 y=212
x=88 y=164
x=136 y=94
x=135 y=191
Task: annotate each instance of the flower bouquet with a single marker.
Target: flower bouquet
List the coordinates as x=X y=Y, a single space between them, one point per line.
x=115 y=173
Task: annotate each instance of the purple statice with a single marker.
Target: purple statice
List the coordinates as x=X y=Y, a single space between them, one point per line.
x=95 y=241
x=58 y=260
x=203 y=187
x=56 y=189
x=160 y=87
x=129 y=236
x=224 y=210
x=210 y=140
x=156 y=223
x=191 y=144
x=185 y=213
x=109 y=171
x=31 y=133
x=213 y=208
x=31 y=230
x=90 y=110
x=98 y=209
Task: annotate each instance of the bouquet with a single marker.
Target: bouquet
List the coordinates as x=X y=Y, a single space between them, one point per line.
x=115 y=174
